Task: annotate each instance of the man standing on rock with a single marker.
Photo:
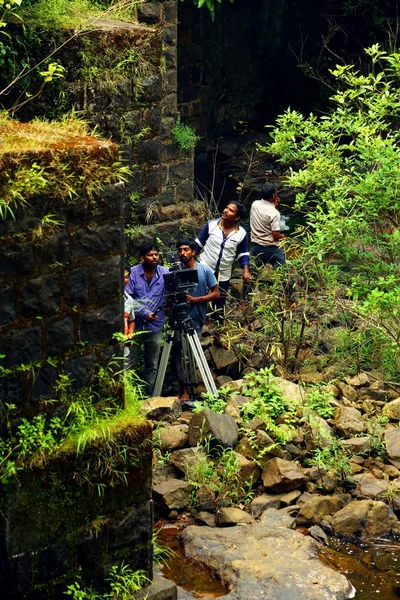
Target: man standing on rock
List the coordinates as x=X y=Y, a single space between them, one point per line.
x=220 y=242
x=146 y=287
x=265 y=228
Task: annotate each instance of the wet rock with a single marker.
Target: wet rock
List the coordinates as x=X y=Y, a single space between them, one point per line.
x=173 y=494
x=278 y=518
x=319 y=534
x=260 y=561
x=282 y=475
x=263 y=502
x=221 y=429
x=228 y=517
x=392 y=441
x=348 y=421
x=370 y=487
x=187 y=458
x=392 y=410
x=174 y=437
x=162 y=409
x=317 y=507
x=364 y=518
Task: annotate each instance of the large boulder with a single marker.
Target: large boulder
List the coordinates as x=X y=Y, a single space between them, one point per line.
x=364 y=518
x=349 y=421
x=263 y=561
x=370 y=487
x=317 y=507
x=220 y=429
x=281 y=475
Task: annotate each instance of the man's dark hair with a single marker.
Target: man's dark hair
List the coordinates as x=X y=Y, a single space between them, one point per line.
x=241 y=210
x=186 y=242
x=145 y=248
x=268 y=190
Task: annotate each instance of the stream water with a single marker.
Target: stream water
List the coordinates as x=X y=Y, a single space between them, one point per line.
x=373 y=566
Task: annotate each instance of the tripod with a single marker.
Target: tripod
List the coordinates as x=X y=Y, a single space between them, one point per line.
x=192 y=356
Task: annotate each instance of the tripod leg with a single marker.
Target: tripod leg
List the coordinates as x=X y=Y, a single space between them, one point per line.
x=202 y=364
x=188 y=366
x=163 y=366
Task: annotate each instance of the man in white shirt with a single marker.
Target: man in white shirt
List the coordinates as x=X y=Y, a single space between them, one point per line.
x=265 y=228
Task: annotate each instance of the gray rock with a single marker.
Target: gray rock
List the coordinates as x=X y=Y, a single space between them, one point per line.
x=291 y=391
x=364 y=518
x=263 y=502
x=159 y=589
x=358 y=381
x=162 y=409
x=259 y=561
x=248 y=470
x=392 y=441
x=358 y=445
x=173 y=494
x=230 y=516
x=317 y=507
x=319 y=534
x=206 y=518
x=278 y=518
x=173 y=437
x=392 y=410
x=221 y=429
x=282 y=475
x=289 y=498
x=163 y=472
x=370 y=487
x=348 y=421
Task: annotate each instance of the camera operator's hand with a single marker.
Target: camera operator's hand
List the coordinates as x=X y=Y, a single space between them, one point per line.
x=152 y=316
x=192 y=299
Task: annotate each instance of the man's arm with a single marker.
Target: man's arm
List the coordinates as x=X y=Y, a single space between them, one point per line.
x=202 y=238
x=243 y=256
x=213 y=294
x=277 y=235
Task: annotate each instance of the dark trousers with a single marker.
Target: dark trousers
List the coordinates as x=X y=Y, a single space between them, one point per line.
x=271 y=255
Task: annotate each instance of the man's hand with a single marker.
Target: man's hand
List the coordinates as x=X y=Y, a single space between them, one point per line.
x=247 y=277
x=152 y=317
x=191 y=299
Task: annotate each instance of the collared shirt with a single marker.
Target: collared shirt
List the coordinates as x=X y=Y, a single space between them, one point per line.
x=218 y=250
x=264 y=219
x=147 y=297
x=207 y=281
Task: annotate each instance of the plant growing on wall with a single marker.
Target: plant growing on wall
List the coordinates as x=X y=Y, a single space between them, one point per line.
x=183 y=135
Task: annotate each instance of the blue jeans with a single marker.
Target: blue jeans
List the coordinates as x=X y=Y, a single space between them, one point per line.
x=152 y=344
x=272 y=255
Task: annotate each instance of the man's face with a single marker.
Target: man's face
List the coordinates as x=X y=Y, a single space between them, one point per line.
x=231 y=212
x=126 y=277
x=151 y=258
x=186 y=254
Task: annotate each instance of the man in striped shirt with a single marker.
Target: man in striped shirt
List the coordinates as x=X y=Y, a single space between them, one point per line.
x=220 y=242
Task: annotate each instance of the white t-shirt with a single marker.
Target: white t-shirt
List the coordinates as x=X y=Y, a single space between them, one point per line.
x=264 y=219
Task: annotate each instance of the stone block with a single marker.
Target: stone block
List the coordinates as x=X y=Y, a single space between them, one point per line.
x=180 y=172
x=167 y=125
x=77 y=290
x=16 y=259
x=44 y=382
x=170 y=82
x=40 y=296
x=7 y=302
x=152 y=119
x=149 y=151
x=23 y=346
x=170 y=12
x=150 y=89
x=169 y=106
x=109 y=201
x=170 y=56
x=11 y=391
x=149 y=13
x=80 y=369
x=185 y=191
x=98 y=240
x=53 y=249
x=108 y=277
x=170 y=35
x=99 y=324
x=152 y=181
x=61 y=336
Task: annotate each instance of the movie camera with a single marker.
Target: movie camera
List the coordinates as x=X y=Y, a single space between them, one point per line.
x=178 y=283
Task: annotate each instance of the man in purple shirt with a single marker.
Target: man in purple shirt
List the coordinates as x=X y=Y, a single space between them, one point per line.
x=146 y=286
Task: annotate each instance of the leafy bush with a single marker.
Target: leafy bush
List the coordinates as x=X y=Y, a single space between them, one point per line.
x=184 y=136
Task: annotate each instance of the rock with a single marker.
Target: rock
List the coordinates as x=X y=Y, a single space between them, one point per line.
x=187 y=458
x=278 y=518
x=159 y=589
x=291 y=391
x=208 y=425
x=289 y=498
x=317 y=507
x=258 y=561
x=312 y=377
x=174 y=437
x=348 y=391
x=319 y=534
x=282 y=475
x=370 y=487
x=227 y=517
x=222 y=380
x=348 y=421
x=375 y=394
x=163 y=472
x=233 y=406
x=224 y=360
x=173 y=494
x=255 y=424
x=392 y=410
x=263 y=502
x=206 y=518
x=364 y=518
x=162 y=409
x=318 y=434
x=245 y=448
x=358 y=381
x=236 y=386
x=206 y=498
x=248 y=470
x=358 y=445
x=392 y=441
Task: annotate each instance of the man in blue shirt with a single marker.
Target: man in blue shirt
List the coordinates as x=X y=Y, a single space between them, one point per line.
x=206 y=291
x=146 y=287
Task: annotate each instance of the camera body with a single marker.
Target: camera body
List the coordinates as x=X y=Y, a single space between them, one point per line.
x=178 y=283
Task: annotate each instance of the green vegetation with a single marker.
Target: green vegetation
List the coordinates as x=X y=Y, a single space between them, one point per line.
x=122 y=581
x=184 y=136
x=317 y=399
